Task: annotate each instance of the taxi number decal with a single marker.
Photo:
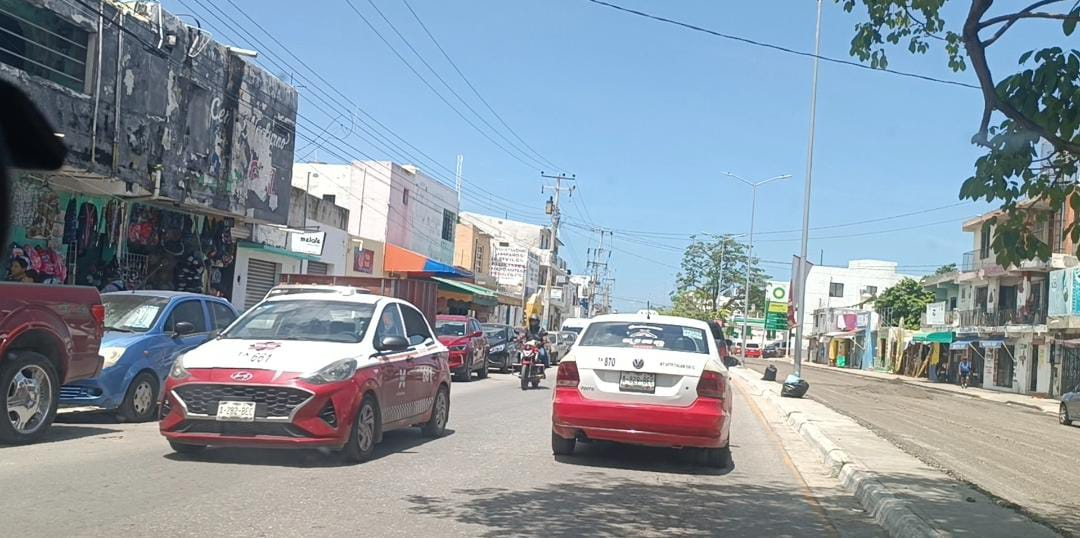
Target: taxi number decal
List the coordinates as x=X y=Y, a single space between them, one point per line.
x=258 y=357
x=608 y=361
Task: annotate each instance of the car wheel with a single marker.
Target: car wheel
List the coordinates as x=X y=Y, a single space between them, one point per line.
x=464 y=374
x=483 y=370
x=440 y=414
x=508 y=364
x=140 y=401
x=29 y=394
x=1063 y=416
x=716 y=457
x=561 y=446
x=184 y=448
x=365 y=432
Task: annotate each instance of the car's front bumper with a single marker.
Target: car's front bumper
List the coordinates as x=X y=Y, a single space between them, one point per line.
x=705 y=423
x=289 y=412
x=105 y=391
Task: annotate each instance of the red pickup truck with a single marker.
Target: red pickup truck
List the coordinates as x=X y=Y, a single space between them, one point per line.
x=49 y=336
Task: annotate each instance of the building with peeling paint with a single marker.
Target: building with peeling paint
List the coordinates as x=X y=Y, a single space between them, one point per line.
x=177 y=145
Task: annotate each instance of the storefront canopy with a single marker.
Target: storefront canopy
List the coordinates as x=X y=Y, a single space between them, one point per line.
x=400 y=260
x=935 y=338
x=276 y=250
x=480 y=294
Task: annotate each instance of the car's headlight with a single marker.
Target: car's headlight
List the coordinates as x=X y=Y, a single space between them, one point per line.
x=457 y=348
x=112 y=355
x=178 y=371
x=498 y=348
x=338 y=371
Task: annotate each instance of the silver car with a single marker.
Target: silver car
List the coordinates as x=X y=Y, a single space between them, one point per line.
x=1070 y=407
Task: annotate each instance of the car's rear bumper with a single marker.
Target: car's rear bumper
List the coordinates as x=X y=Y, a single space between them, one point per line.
x=702 y=424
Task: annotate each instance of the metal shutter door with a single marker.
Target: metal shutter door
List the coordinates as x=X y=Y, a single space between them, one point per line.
x=261 y=276
x=317 y=268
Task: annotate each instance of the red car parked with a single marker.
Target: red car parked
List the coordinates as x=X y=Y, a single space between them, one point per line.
x=468 y=345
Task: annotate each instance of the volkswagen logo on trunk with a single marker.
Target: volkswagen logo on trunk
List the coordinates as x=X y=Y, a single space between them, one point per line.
x=242 y=376
x=639 y=364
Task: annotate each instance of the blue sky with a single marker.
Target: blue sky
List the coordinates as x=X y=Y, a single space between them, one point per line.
x=648 y=115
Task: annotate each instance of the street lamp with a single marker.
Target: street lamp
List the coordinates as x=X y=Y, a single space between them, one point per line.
x=750 y=248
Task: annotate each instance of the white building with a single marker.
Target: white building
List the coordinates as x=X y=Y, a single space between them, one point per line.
x=389 y=202
x=846 y=287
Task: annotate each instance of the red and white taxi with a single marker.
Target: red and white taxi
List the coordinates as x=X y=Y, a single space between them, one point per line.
x=644 y=379
x=311 y=370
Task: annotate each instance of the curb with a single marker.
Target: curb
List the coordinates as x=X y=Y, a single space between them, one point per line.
x=927 y=385
x=893 y=513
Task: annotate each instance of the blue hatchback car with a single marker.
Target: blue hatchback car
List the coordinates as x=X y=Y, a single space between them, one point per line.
x=144 y=333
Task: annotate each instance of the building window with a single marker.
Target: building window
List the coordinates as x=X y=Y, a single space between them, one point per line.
x=870 y=290
x=478 y=263
x=41 y=43
x=449 y=220
x=545 y=239
x=836 y=289
x=405 y=197
x=984 y=242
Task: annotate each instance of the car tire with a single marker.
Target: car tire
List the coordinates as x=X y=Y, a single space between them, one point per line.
x=43 y=382
x=440 y=414
x=561 y=446
x=184 y=448
x=535 y=383
x=365 y=432
x=718 y=458
x=1063 y=416
x=140 y=400
x=483 y=370
x=508 y=364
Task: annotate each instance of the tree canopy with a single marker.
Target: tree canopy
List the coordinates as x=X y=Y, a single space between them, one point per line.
x=1030 y=123
x=946 y=269
x=907 y=300
x=712 y=280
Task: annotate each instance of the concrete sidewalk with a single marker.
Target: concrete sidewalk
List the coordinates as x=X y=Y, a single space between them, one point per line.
x=905 y=496
x=1041 y=404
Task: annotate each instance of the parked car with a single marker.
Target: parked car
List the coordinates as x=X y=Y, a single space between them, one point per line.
x=144 y=332
x=753 y=350
x=468 y=345
x=723 y=345
x=559 y=345
x=301 y=371
x=49 y=335
x=650 y=380
x=574 y=325
x=1070 y=407
x=502 y=346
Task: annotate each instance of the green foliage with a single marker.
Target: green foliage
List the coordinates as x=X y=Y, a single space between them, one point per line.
x=695 y=304
x=1033 y=149
x=713 y=267
x=907 y=300
x=946 y=269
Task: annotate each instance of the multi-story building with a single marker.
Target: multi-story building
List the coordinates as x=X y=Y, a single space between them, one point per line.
x=177 y=145
x=389 y=202
x=996 y=315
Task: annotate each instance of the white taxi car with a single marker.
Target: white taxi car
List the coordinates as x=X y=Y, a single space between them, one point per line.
x=644 y=379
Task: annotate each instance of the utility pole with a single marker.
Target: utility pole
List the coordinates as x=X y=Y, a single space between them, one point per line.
x=800 y=301
x=597 y=268
x=553 y=210
x=457 y=178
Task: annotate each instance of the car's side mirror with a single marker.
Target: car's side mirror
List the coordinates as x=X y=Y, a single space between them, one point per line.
x=392 y=343
x=184 y=328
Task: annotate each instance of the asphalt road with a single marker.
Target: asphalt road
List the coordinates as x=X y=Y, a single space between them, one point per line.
x=494 y=475
x=1015 y=453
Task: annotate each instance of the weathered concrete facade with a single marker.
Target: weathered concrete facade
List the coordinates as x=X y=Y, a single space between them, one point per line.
x=169 y=113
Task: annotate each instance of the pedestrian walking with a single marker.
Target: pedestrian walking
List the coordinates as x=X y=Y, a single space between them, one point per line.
x=965 y=372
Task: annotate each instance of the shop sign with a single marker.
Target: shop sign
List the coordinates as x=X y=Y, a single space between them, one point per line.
x=363 y=260
x=556 y=294
x=271 y=236
x=779 y=308
x=777 y=292
x=307 y=243
x=935 y=313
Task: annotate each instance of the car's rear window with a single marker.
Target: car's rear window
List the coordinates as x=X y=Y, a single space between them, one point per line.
x=623 y=334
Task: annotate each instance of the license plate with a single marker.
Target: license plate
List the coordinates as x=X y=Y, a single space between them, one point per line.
x=637 y=382
x=236 y=411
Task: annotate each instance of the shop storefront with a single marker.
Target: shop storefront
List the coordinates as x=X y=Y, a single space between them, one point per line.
x=260 y=263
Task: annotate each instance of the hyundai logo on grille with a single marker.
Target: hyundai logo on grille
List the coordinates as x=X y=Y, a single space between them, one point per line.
x=242 y=376
x=638 y=363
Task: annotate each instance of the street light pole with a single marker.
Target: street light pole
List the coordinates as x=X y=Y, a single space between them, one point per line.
x=750 y=249
x=800 y=272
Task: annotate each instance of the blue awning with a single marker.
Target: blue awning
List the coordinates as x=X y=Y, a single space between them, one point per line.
x=991 y=344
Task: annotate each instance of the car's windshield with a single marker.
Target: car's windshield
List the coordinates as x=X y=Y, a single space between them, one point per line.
x=752 y=346
x=132 y=313
x=575 y=330
x=623 y=334
x=450 y=328
x=494 y=333
x=326 y=321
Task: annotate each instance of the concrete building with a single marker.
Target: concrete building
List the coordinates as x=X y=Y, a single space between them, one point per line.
x=473 y=249
x=388 y=202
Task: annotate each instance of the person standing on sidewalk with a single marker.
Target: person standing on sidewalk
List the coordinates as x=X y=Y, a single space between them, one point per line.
x=965 y=372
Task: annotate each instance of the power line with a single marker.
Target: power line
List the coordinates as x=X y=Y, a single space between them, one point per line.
x=781 y=48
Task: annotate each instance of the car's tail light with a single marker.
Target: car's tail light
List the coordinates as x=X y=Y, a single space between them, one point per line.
x=98 y=311
x=711 y=385
x=568 y=375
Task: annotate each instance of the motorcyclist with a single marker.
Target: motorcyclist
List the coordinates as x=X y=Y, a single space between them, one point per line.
x=533 y=331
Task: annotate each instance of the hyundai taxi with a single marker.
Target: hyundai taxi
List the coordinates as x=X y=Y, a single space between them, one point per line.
x=311 y=370
x=644 y=379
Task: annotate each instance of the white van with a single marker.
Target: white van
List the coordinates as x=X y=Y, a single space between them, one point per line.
x=574 y=325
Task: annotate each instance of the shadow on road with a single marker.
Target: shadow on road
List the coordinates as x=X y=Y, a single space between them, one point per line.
x=394 y=442
x=641 y=458
x=598 y=504
x=63 y=432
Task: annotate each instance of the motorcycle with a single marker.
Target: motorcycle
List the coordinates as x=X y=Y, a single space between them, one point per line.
x=532 y=369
